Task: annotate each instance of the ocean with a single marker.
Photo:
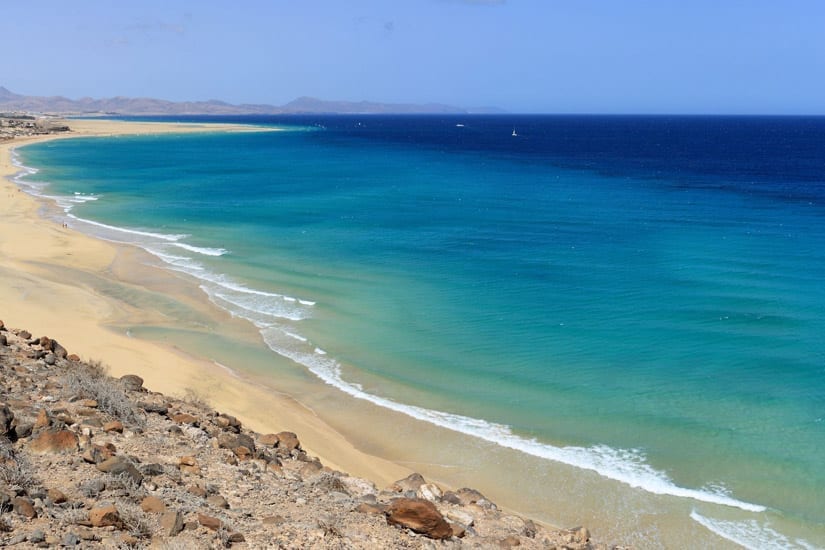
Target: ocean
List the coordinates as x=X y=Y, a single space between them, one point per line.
x=634 y=301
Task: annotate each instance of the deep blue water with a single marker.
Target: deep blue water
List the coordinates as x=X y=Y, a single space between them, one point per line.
x=640 y=296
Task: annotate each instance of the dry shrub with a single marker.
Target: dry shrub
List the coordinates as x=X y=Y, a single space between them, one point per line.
x=90 y=381
x=15 y=470
x=135 y=520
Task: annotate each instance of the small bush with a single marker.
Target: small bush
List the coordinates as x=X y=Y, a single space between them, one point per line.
x=135 y=520
x=91 y=382
x=15 y=471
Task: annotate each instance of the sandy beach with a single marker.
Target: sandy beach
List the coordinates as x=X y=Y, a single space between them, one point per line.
x=43 y=266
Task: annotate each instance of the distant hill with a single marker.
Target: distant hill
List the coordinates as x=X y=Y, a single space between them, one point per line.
x=10 y=101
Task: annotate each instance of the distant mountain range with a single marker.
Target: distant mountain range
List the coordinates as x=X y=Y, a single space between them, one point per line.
x=10 y=101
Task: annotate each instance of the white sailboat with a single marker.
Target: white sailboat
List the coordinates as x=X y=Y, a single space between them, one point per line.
x=514 y=133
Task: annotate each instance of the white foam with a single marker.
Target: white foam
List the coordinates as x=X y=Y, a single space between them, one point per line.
x=262 y=313
x=161 y=236
x=306 y=302
x=179 y=263
x=201 y=250
x=625 y=466
x=750 y=534
x=295 y=336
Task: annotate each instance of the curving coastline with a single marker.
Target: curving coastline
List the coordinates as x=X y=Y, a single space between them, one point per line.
x=124 y=315
x=36 y=254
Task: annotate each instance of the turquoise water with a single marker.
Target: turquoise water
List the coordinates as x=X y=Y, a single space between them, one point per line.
x=642 y=298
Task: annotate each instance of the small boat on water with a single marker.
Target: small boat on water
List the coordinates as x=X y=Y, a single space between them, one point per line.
x=514 y=133
x=459 y=126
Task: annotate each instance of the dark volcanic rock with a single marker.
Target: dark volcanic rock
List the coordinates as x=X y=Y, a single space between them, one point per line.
x=6 y=419
x=233 y=441
x=117 y=465
x=59 y=350
x=132 y=382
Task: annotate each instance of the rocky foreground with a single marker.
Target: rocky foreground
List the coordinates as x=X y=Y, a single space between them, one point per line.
x=90 y=461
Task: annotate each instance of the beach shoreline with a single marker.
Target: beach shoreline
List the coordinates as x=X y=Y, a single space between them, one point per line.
x=35 y=256
x=55 y=273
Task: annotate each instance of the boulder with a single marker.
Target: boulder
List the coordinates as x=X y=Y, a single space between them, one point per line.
x=228 y=422
x=410 y=483
x=57 y=496
x=152 y=504
x=59 y=350
x=3 y=340
x=465 y=496
x=152 y=469
x=242 y=452
x=113 y=426
x=96 y=454
x=429 y=491
x=358 y=487
x=461 y=516
x=171 y=523
x=6 y=419
x=24 y=507
x=132 y=382
x=118 y=465
x=209 y=522
x=268 y=440
x=24 y=334
x=59 y=441
x=46 y=343
x=233 y=441
x=217 y=501
x=157 y=408
x=50 y=359
x=288 y=441
x=185 y=418
x=73 y=357
x=104 y=516
x=420 y=516
x=23 y=429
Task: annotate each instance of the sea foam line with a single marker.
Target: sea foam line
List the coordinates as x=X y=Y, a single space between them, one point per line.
x=202 y=250
x=161 y=236
x=750 y=534
x=625 y=466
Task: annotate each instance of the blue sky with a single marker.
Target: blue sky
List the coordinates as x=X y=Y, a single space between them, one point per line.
x=565 y=56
